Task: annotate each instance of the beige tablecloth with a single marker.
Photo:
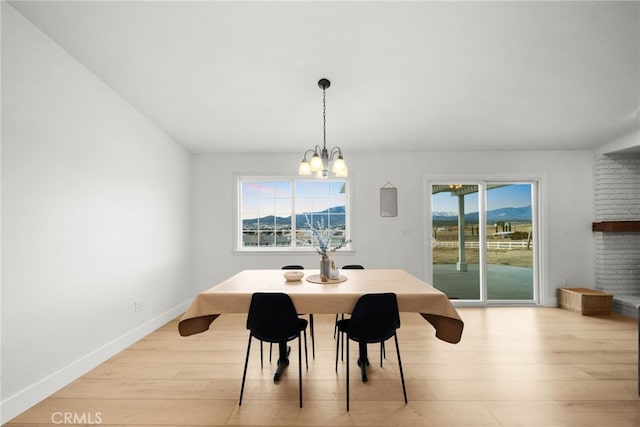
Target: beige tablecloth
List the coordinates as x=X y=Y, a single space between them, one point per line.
x=234 y=296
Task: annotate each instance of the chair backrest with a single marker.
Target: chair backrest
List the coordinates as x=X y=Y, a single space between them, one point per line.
x=352 y=267
x=272 y=317
x=375 y=318
x=292 y=267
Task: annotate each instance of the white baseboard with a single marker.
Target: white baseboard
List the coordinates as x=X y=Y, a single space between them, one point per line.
x=14 y=405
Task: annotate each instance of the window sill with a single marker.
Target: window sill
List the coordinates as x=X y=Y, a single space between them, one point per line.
x=297 y=252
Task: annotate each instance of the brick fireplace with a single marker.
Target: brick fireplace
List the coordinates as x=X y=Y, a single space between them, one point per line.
x=617 y=250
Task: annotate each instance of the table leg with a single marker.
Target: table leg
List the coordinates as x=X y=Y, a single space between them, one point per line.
x=283 y=360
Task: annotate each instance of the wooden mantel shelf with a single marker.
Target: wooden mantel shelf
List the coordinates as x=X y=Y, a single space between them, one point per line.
x=616 y=226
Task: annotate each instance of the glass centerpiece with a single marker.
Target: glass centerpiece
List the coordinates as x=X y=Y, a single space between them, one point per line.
x=322 y=236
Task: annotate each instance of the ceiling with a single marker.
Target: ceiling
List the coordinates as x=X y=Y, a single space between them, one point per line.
x=235 y=76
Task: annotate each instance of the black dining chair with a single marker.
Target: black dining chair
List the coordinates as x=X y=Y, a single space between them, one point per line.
x=273 y=318
x=346 y=267
x=335 y=327
x=313 y=343
x=375 y=319
x=313 y=338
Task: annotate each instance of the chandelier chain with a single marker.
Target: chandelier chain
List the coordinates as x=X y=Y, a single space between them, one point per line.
x=324 y=118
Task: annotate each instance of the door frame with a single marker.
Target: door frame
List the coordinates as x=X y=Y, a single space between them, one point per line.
x=538 y=208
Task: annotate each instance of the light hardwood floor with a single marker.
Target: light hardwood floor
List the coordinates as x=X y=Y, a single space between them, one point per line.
x=513 y=367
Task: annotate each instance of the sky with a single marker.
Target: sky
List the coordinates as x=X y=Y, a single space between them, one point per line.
x=510 y=196
x=275 y=197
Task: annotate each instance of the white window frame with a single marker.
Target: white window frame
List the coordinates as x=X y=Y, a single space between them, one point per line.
x=238 y=245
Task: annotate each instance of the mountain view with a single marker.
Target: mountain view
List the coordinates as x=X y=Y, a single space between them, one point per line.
x=338 y=219
x=522 y=214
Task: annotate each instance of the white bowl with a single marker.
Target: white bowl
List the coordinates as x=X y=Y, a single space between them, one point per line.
x=293 y=276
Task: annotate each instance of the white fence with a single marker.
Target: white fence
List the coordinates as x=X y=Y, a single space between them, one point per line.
x=501 y=244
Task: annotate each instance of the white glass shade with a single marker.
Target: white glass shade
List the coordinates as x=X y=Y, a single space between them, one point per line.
x=316 y=163
x=338 y=165
x=305 y=168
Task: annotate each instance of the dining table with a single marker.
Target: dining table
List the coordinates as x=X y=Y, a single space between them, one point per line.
x=312 y=295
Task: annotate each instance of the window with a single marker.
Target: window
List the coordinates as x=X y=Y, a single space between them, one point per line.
x=274 y=212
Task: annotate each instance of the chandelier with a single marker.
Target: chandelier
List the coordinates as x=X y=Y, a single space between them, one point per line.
x=323 y=158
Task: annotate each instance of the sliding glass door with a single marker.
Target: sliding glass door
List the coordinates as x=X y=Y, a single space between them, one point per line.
x=455 y=240
x=509 y=242
x=483 y=241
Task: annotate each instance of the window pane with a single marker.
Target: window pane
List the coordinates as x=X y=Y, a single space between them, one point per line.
x=509 y=236
x=267 y=190
x=283 y=238
x=337 y=221
x=282 y=189
x=455 y=240
x=271 y=211
x=250 y=238
x=266 y=207
x=304 y=205
x=304 y=188
x=250 y=190
x=320 y=189
x=282 y=207
x=337 y=188
x=267 y=238
x=320 y=206
x=249 y=209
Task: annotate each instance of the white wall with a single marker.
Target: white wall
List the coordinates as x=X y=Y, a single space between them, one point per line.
x=95 y=214
x=567 y=197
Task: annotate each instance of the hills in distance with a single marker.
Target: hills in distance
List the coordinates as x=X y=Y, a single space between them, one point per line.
x=521 y=214
x=337 y=218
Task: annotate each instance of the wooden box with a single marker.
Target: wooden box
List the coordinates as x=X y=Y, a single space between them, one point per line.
x=585 y=301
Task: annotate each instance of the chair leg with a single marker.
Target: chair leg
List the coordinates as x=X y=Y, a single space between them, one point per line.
x=300 y=365
x=337 y=349
x=347 y=378
x=404 y=390
x=335 y=325
x=261 y=359
x=306 y=358
x=270 y=350
x=341 y=348
x=244 y=373
x=313 y=337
